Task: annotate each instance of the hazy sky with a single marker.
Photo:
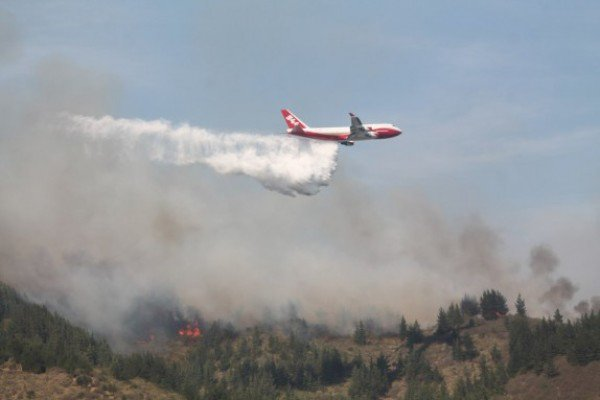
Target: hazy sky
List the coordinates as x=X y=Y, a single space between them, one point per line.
x=498 y=100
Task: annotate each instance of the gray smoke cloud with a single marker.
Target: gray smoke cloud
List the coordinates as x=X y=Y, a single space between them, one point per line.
x=585 y=307
x=561 y=291
x=543 y=262
x=90 y=232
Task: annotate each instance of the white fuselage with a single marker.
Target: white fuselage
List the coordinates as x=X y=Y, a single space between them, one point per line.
x=343 y=134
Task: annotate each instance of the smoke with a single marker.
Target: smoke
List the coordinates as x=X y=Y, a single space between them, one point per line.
x=286 y=164
x=94 y=227
x=559 y=293
x=543 y=262
x=595 y=300
x=584 y=307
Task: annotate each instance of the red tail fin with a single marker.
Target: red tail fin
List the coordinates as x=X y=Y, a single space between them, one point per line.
x=291 y=120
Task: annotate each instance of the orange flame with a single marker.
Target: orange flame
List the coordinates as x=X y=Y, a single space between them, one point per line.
x=190 y=331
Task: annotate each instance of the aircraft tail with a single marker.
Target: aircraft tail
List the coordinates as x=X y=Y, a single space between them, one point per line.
x=291 y=120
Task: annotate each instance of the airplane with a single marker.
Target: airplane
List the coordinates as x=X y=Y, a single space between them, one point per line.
x=344 y=135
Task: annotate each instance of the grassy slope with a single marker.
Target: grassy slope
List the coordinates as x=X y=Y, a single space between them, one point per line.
x=57 y=384
x=573 y=383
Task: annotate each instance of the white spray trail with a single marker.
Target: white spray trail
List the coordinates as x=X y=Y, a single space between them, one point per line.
x=286 y=164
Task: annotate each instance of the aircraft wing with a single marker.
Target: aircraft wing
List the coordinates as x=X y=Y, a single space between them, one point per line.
x=357 y=129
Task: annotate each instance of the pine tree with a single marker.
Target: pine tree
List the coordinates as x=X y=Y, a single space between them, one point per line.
x=493 y=304
x=457 y=350
x=403 y=328
x=558 y=318
x=464 y=348
x=520 y=306
x=469 y=306
x=455 y=316
x=359 y=382
x=414 y=335
x=369 y=382
x=443 y=325
x=470 y=351
x=496 y=354
x=332 y=368
x=399 y=369
x=256 y=339
x=520 y=344
x=360 y=334
x=381 y=363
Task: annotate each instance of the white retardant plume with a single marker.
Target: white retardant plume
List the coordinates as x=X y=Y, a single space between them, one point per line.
x=286 y=164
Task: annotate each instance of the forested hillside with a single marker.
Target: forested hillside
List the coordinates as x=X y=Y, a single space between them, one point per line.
x=39 y=339
x=476 y=350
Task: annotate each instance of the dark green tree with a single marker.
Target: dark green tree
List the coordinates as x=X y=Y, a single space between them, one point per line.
x=369 y=382
x=470 y=351
x=455 y=316
x=443 y=325
x=520 y=345
x=418 y=368
x=414 y=335
x=583 y=340
x=39 y=339
x=403 y=328
x=558 y=318
x=464 y=348
x=332 y=368
x=360 y=334
x=493 y=304
x=520 y=306
x=469 y=306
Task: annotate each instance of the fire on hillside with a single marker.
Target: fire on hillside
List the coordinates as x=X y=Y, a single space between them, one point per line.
x=191 y=331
